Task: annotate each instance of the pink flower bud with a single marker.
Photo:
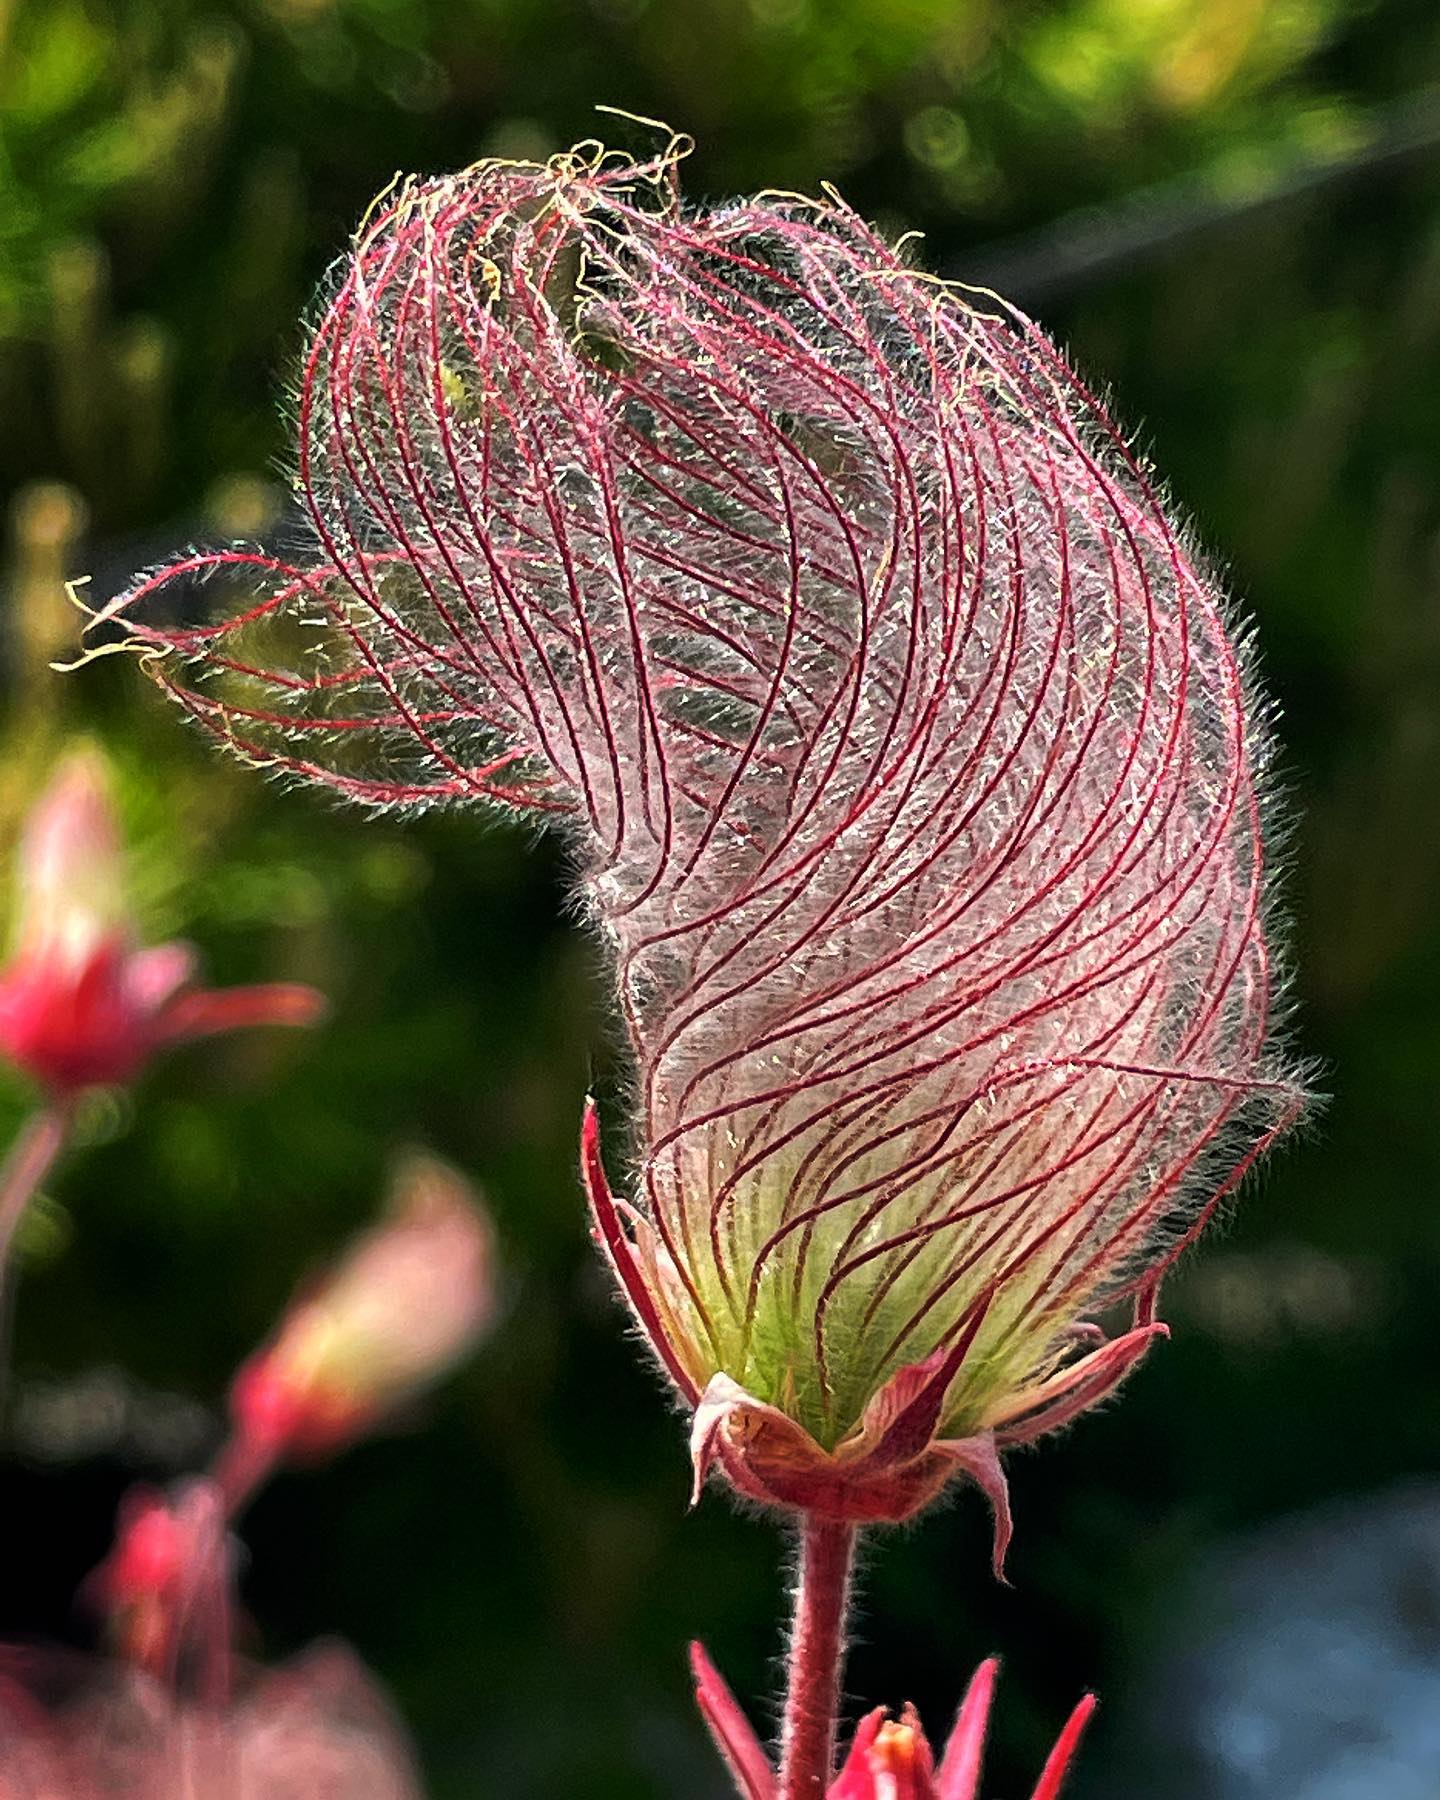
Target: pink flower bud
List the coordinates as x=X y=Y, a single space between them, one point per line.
x=409 y=1300
x=888 y=1760
x=908 y=755
x=81 y=1005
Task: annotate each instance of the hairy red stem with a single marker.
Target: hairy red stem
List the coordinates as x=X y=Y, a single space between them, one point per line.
x=817 y=1653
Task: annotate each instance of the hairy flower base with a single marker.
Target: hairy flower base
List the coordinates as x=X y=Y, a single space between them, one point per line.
x=888 y=1760
x=898 y=1459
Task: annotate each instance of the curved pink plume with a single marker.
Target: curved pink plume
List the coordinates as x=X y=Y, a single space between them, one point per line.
x=904 y=746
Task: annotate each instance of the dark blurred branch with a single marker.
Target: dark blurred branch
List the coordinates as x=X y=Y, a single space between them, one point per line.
x=1082 y=248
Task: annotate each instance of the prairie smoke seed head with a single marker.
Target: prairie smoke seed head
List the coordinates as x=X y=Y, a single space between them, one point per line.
x=905 y=752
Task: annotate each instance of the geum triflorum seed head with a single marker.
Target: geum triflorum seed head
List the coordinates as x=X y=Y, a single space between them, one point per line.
x=903 y=747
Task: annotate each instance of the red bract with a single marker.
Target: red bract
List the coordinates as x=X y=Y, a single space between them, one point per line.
x=887 y=1760
x=81 y=1004
x=905 y=752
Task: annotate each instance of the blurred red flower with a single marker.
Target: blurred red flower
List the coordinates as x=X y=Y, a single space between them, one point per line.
x=315 y=1729
x=176 y=1715
x=82 y=1003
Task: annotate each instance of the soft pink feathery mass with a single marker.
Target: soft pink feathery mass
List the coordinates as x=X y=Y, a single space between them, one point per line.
x=905 y=750
x=316 y=1729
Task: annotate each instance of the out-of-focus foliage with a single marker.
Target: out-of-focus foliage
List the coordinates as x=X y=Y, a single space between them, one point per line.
x=172 y=176
x=1254 y=190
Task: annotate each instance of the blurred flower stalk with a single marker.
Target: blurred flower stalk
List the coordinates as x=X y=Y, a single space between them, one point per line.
x=83 y=1003
x=177 y=1713
x=912 y=772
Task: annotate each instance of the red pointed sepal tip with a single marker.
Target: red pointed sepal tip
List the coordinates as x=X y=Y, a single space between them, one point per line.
x=1057 y=1766
x=959 y=1777
x=620 y=1252
x=733 y=1733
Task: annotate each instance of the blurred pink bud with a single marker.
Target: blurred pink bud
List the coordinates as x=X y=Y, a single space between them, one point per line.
x=908 y=751
x=81 y=1004
x=408 y=1301
x=888 y=1760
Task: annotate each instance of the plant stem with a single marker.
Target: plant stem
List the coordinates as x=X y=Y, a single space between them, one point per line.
x=31 y=1158
x=817 y=1654
x=243 y=1465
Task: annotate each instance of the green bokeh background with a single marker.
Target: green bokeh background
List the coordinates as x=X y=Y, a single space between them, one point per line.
x=1230 y=210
